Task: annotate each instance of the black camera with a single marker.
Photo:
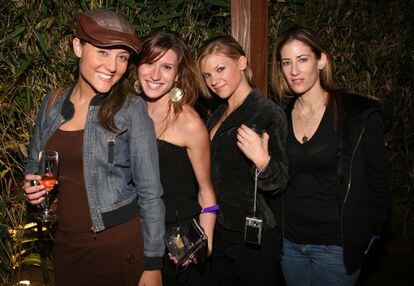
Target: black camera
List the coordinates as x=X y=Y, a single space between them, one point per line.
x=253 y=230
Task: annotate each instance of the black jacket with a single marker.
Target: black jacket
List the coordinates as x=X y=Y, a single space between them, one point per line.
x=363 y=175
x=233 y=173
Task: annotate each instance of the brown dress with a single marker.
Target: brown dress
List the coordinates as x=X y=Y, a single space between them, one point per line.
x=111 y=257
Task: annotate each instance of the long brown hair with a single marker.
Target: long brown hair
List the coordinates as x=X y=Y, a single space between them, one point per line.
x=227 y=46
x=154 y=46
x=312 y=40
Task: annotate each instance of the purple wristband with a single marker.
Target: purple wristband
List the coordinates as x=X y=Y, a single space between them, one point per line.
x=212 y=209
x=376 y=237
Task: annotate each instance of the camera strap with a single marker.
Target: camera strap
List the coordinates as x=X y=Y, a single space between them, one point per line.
x=256 y=178
x=254 y=225
x=256 y=175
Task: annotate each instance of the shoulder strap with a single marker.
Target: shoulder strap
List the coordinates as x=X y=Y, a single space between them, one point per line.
x=58 y=92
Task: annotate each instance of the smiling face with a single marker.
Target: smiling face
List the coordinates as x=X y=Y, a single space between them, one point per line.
x=300 y=67
x=224 y=75
x=100 y=68
x=159 y=77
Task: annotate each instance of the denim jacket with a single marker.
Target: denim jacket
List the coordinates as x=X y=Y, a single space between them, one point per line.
x=121 y=169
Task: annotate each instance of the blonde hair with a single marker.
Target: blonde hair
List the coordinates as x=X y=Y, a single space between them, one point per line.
x=311 y=39
x=227 y=46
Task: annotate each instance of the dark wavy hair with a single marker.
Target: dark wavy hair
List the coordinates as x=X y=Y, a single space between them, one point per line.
x=155 y=45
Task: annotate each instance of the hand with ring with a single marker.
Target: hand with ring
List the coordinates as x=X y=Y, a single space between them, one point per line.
x=34 y=193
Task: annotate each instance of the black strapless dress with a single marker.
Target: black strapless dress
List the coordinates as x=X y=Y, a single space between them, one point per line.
x=180 y=195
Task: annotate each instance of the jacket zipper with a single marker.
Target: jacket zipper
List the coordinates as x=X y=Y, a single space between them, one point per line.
x=91 y=207
x=111 y=146
x=349 y=184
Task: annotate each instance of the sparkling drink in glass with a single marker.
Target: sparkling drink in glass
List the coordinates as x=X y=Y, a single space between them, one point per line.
x=48 y=170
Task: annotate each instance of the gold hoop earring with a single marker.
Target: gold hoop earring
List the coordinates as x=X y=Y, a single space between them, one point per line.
x=176 y=94
x=137 y=87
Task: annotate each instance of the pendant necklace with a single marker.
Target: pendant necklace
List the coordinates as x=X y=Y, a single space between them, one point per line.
x=304 y=137
x=307 y=121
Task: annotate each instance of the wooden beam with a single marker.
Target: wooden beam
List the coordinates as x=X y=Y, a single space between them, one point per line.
x=249 y=26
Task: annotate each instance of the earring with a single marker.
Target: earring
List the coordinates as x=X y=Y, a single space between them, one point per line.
x=137 y=87
x=176 y=94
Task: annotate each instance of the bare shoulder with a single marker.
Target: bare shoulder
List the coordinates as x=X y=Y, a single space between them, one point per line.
x=189 y=120
x=190 y=125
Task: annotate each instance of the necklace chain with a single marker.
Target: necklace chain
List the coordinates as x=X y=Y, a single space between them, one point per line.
x=303 y=118
x=226 y=113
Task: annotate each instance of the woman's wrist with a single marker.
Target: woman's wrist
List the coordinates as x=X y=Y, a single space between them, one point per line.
x=262 y=164
x=211 y=209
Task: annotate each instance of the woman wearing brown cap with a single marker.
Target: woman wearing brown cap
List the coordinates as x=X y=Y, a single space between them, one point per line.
x=168 y=79
x=110 y=212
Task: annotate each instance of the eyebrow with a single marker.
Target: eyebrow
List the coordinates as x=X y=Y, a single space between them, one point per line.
x=216 y=66
x=296 y=57
x=164 y=64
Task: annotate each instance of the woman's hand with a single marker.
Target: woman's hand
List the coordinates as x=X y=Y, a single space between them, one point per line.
x=252 y=145
x=173 y=258
x=191 y=259
x=33 y=194
x=150 y=278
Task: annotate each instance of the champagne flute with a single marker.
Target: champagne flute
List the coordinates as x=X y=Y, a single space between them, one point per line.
x=48 y=170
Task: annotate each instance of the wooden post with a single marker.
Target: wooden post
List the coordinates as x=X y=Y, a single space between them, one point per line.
x=249 y=26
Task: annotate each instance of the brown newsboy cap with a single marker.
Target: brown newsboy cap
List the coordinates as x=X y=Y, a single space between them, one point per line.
x=104 y=28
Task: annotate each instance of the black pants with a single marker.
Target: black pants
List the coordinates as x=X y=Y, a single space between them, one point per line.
x=234 y=262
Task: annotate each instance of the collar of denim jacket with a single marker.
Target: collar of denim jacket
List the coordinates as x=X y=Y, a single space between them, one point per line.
x=68 y=108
